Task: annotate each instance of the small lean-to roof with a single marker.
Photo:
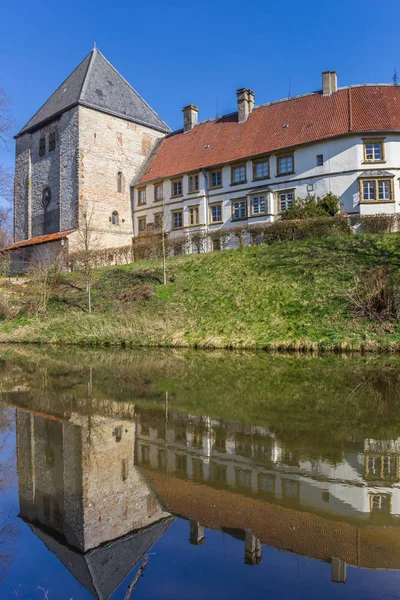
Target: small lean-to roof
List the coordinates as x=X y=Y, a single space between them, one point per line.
x=97 y=84
x=276 y=126
x=42 y=239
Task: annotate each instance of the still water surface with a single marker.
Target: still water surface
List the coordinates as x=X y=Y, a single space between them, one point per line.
x=232 y=475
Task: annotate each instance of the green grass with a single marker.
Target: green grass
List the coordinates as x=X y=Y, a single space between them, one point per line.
x=283 y=296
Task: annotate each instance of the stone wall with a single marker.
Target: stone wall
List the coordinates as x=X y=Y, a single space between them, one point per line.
x=109 y=145
x=56 y=170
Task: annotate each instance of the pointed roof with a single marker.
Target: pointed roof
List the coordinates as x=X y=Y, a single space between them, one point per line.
x=103 y=569
x=96 y=84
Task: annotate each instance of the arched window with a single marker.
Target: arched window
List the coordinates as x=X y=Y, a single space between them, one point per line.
x=46 y=197
x=115 y=218
x=120 y=182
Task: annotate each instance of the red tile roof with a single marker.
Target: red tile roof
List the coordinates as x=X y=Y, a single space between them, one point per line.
x=51 y=237
x=308 y=118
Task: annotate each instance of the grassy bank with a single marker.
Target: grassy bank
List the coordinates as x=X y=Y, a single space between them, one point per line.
x=287 y=296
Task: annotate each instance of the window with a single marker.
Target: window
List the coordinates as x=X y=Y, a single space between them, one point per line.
x=145 y=454
x=124 y=469
x=115 y=218
x=243 y=478
x=52 y=141
x=117 y=433
x=266 y=483
x=219 y=473
x=197 y=469
x=162 y=459
x=320 y=160
x=42 y=146
x=158 y=220
x=373 y=151
x=285 y=164
x=120 y=184
x=259 y=205
x=181 y=462
x=193 y=215
x=286 y=200
x=238 y=174
x=216 y=213
x=177 y=219
x=158 y=195
x=141 y=224
x=193 y=183
x=142 y=196
x=46 y=197
x=176 y=188
x=380 y=503
x=239 y=209
x=325 y=496
x=290 y=489
x=261 y=169
x=373 y=190
x=215 y=179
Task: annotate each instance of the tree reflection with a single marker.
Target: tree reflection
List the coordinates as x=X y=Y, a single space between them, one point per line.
x=8 y=531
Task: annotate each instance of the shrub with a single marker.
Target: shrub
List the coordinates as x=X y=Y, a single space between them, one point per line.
x=377 y=223
x=178 y=245
x=7 y=310
x=240 y=235
x=198 y=241
x=282 y=231
x=220 y=237
x=139 y=292
x=312 y=207
x=375 y=296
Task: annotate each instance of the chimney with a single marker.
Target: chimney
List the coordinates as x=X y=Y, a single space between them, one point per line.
x=245 y=100
x=190 y=117
x=329 y=82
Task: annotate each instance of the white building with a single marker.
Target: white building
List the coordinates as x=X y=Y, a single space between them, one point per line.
x=247 y=167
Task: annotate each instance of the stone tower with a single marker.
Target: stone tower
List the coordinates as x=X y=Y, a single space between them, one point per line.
x=83 y=146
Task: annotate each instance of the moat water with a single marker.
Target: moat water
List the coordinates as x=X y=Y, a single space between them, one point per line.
x=213 y=475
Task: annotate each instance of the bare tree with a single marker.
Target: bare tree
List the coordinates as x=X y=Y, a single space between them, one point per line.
x=87 y=244
x=164 y=249
x=44 y=276
x=6 y=125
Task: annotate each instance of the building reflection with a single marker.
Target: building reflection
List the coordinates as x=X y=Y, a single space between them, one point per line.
x=80 y=492
x=100 y=481
x=251 y=460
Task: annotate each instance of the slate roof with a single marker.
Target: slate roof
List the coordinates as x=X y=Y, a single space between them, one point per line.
x=276 y=126
x=42 y=239
x=96 y=84
x=103 y=569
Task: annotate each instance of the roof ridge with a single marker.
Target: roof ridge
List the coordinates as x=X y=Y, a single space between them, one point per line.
x=132 y=88
x=82 y=92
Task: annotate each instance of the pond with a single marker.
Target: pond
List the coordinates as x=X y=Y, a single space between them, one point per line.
x=184 y=475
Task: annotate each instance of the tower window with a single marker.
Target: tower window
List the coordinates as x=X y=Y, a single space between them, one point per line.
x=52 y=141
x=120 y=182
x=115 y=218
x=42 y=146
x=46 y=197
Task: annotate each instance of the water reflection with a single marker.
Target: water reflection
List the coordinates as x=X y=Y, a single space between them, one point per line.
x=80 y=492
x=101 y=480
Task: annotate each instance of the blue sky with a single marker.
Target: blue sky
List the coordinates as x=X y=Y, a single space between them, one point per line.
x=177 y=52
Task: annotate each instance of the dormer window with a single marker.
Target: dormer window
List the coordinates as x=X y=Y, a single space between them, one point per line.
x=115 y=218
x=42 y=146
x=52 y=141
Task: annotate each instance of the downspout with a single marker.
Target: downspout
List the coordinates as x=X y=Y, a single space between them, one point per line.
x=206 y=220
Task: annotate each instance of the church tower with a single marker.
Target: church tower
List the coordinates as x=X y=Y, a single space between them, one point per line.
x=83 y=147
